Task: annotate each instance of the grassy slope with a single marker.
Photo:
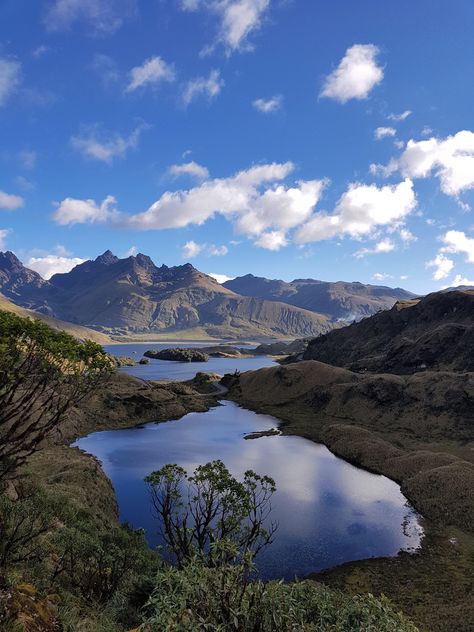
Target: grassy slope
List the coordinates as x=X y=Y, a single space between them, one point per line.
x=78 y=331
x=417 y=430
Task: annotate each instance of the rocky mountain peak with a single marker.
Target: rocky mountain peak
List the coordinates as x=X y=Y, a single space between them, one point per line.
x=107 y=258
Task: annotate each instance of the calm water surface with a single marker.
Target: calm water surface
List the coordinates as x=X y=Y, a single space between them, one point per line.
x=328 y=511
x=166 y=370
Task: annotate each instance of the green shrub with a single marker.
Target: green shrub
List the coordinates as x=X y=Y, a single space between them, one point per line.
x=197 y=598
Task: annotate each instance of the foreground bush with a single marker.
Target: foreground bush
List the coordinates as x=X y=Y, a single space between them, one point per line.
x=198 y=598
x=43 y=373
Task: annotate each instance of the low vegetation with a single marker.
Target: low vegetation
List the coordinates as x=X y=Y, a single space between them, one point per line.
x=67 y=564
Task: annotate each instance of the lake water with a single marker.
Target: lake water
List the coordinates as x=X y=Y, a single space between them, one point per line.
x=329 y=511
x=179 y=371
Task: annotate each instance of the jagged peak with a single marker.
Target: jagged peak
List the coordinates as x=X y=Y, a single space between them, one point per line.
x=107 y=258
x=144 y=260
x=10 y=257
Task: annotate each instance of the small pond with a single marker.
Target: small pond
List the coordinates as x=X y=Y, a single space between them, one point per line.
x=180 y=371
x=329 y=511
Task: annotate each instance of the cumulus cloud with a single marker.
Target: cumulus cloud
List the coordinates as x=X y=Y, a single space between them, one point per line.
x=192 y=249
x=386 y=245
x=220 y=278
x=96 y=144
x=272 y=240
x=152 y=72
x=105 y=16
x=10 y=76
x=10 y=202
x=207 y=87
x=238 y=19
x=384 y=132
x=460 y=280
x=52 y=264
x=192 y=169
x=442 y=266
x=360 y=210
x=268 y=105
x=450 y=159
x=385 y=171
x=381 y=276
x=457 y=242
x=356 y=75
x=72 y=211
x=4 y=232
x=399 y=117
x=252 y=200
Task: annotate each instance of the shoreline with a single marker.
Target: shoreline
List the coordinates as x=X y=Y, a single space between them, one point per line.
x=388 y=574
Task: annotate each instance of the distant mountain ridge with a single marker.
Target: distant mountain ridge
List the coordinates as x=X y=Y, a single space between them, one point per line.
x=133 y=296
x=338 y=300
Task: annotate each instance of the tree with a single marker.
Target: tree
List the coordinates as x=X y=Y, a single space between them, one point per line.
x=212 y=515
x=43 y=373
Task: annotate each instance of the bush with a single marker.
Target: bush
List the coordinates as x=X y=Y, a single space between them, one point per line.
x=211 y=514
x=197 y=598
x=43 y=373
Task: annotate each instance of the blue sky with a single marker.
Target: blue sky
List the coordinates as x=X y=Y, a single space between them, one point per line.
x=286 y=138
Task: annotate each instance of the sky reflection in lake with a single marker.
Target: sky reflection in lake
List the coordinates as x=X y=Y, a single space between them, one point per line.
x=328 y=511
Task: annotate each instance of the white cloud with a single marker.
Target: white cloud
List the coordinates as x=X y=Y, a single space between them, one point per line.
x=237 y=18
x=460 y=280
x=10 y=202
x=384 y=246
x=131 y=252
x=40 y=51
x=4 y=232
x=220 y=278
x=442 y=265
x=192 y=169
x=356 y=75
x=52 y=264
x=28 y=159
x=105 y=16
x=385 y=171
x=273 y=240
x=360 y=210
x=252 y=200
x=450 y=159
x=192 y=249
x=217 y=251
x=268 y=105
x=381 y=276
x=203 y=87
x=152 y=72
x=399 y=117
x=384 y=132
x=10 y=75
x=73 y=211
x=105 y=146
x=457 y=242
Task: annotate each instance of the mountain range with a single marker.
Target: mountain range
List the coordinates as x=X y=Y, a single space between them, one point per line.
x=339 y=300
x=132 y=296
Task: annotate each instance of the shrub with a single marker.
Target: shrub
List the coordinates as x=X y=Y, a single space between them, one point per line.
x=43 y=373
x=211 y=508
x=197 y=598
